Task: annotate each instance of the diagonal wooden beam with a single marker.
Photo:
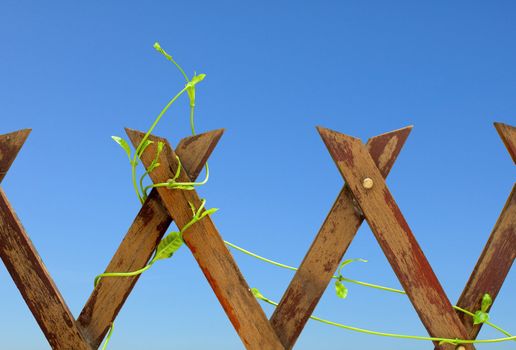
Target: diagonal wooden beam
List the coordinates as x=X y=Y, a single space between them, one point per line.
x=508 y=135
x=394 y=236
x=328 y=248
x=10 y=145
x=211 y=254
x=28 y=271
x=498 y=255
x=492 y=267
x=141 y=240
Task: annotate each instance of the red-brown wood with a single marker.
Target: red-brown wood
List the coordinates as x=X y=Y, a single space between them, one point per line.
x=26 y=268
x=141 y=240
x=395 y=237
x=508 y=136
x=328 y=248
x=213 y=257
x=498 y=255
x=355 y=162
x=10 y=145
x=493 y=265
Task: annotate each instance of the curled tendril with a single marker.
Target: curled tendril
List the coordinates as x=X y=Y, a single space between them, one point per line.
x=174 y=240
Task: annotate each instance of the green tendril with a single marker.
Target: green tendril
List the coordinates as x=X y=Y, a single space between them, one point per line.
x=339 y=277
x=158 y=48
x=110 y=333
x=174 y=240
x=134 y=162
x=121 y=274
x=455 y=341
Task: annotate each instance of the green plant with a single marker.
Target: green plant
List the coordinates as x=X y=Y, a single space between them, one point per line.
x=174 y=240
x=342 y=292
x=456 y=341
x=340 y=288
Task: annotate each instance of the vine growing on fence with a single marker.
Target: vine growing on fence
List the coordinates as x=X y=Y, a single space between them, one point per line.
x=174 y=240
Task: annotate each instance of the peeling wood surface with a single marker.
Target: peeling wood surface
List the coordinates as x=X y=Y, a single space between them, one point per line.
x=211 y=254
x=493 y=265
x=498 y=255
x=10 y=145
x=26 y=268
x=328 y=248
x=141 y=240
x=508 y=136
x=355 y=162
x=395 y=237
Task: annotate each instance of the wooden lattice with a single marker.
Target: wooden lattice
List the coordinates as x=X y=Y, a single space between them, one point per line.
x=365 y=196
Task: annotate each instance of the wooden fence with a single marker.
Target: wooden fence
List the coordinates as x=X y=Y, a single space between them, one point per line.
x=364 y=196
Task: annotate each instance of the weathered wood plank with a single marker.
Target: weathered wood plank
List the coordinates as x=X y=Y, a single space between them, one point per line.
x=395 y=237
x=10 y=145
x=498 y=255
x=508 y=136
x=26 y=268
x=493 y=265
x=213 y=257
x=141 y=240
x=328 y=248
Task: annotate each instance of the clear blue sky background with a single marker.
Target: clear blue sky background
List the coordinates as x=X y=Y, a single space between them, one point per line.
x=77 y=73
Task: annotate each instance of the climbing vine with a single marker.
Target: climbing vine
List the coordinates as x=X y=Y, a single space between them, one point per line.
x=174 y=240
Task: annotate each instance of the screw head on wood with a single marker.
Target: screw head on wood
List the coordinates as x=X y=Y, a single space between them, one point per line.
x=368 y=183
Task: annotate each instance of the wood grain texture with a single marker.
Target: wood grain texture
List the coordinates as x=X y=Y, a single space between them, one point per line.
x=35 y=284
x=508 y=136
x=328 y=248
x=395 y=237
x=139 y=243
x=10 y=145
x=213 y=257
x=493 y=265
x=498 y=255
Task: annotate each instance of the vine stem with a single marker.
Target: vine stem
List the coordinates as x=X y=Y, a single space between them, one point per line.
x=156 y=121
x=486 y=322
x=123 y=274
x=110 y=333
x=288 y=267
x=272 y=262
x=394 y=335
x=365 y=284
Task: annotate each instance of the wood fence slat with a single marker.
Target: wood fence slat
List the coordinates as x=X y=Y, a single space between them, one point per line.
x=26 y=268
x=10 y=145
x=141 y=240
x=493 y=265
x=498 y=255
x=328 y=248
x=395 y=237
x=212 y=255
x=508 y=135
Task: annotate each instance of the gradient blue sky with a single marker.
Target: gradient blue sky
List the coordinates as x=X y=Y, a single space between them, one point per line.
x=77 y=73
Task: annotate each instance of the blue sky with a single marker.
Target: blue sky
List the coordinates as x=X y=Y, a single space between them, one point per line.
x=78 y=73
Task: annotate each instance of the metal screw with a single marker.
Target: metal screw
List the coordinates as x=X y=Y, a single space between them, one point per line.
x=368 y=184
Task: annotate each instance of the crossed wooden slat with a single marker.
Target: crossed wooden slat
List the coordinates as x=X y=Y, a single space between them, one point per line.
x=216 y=263
x=26 y=268
x=329 y=246
x=36 y=285
x=355 y=161
x=499 y=252
x=399 y=246
x=394 y=236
